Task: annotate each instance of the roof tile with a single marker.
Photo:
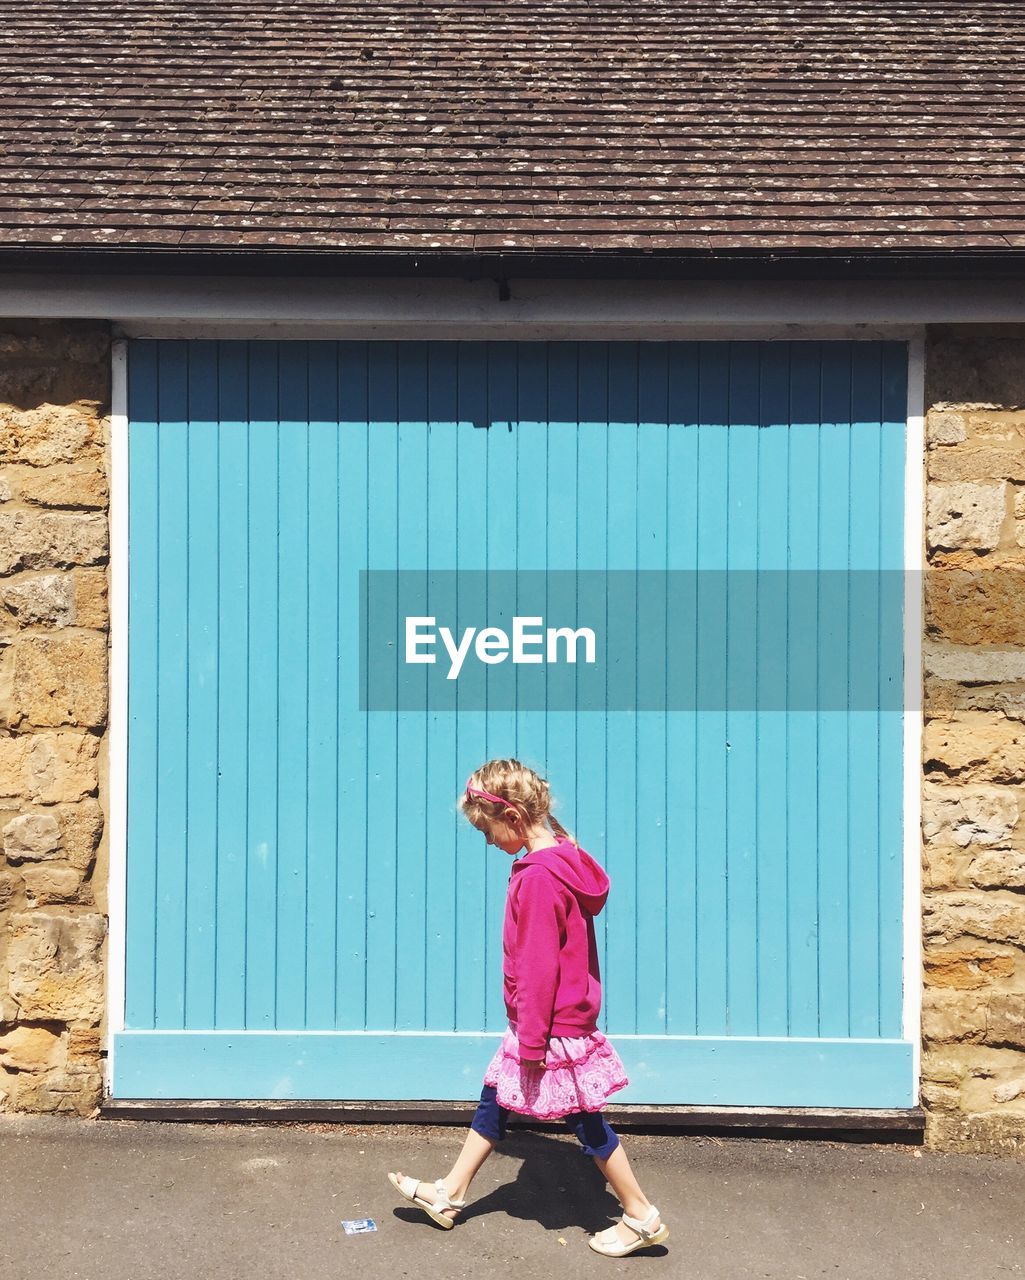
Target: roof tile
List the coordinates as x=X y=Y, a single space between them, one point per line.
x=571 y=125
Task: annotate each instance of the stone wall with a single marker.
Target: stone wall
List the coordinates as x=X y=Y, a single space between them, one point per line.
x=54 y=451
x=973 y=1062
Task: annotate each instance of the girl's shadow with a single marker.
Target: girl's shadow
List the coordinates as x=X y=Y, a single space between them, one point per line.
x=556 y=1186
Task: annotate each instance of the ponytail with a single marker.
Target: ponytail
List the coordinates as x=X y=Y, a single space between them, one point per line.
x=560 y=830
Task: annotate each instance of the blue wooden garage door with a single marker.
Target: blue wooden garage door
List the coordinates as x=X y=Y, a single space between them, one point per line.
x=307 y=915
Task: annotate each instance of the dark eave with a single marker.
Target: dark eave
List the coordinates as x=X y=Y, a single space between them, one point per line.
x=623 y=265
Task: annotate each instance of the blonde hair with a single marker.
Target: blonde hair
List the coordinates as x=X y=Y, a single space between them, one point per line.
x=520 y=788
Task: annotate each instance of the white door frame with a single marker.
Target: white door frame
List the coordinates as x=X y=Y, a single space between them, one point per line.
x=914 y=564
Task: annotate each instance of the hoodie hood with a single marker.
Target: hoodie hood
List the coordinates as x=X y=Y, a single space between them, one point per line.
x=577 y=870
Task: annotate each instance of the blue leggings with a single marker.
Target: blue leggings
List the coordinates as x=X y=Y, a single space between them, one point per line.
x=591 y=1127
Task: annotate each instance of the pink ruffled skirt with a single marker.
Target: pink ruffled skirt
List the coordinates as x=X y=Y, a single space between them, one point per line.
x=580 y=1074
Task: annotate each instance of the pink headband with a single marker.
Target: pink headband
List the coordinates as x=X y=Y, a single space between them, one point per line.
x=487 y=795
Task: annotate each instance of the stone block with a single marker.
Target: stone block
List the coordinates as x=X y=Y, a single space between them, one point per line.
x=84 y=1044
x=1019 y=514
x=1009 y=1090
x=8 y=714
x=976 y=747
x=945 y=867
x=945 y=426
x=50 y=540
x=953 y=1017
x=965 y=515
x=967 y=664
x=994 y=1133
x=55 y=965
x=49 y=433
x=989 y=917
x=32 y=837
x=977 y=605
x=76 y=485
x=81 y=828
x=66 y=832
x=40 y=599
x=61 y=680
x=976 y=462
x=1006 y=1019
x=968 y=814
x=998 y=869
x=9 y=885
x=943 y=1065
x=54 y=344
x=89 y=587
x=978 y=1095
x=48 y=767
x=944 y=697
x=28 y=1048
x=48 y=883
x=975 y=364
x=967 y=968
x=940 y=1097
x=1006 y=426
x=71 y=1091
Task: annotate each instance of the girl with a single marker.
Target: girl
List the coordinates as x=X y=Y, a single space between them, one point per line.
x=553 y=1062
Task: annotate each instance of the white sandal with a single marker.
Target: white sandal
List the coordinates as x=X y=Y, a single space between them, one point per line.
x=407 y=1187
x=646 y=1237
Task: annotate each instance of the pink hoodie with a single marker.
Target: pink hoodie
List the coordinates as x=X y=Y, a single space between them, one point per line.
x=552 y=983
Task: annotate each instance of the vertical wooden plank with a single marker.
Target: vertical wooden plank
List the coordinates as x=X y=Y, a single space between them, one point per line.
x=891 y=738
x=172 y=677
x=354 y=816
x=683 y=477
x=621 y=823
x=471 y=717
x=446 y=837
x=802 y=680
x=292 y=616
x=324 y=671
x=653 y=642
x=771 y=779
x=382 y=755
x=143 y=688
x=500 y=729
x=262 y=749
x=561 y=556
x=591 y=817
x=531 y=543
x=742 y=515
x=412 y=747
x=833 y=774
x=863 y=781
x=230 y=551
x=200 y=923
x=710 y=663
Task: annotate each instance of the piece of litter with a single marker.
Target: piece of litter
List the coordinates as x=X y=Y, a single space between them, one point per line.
x=356 y=1226
x=561 y=1240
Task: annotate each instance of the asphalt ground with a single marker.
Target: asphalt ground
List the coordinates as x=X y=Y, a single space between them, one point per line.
x=135 y=1200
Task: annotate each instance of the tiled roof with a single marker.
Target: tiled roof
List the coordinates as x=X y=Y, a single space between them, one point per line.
x=520 y=127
